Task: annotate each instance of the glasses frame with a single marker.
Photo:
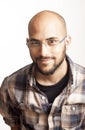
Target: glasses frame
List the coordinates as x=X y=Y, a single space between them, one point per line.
x=28 y=40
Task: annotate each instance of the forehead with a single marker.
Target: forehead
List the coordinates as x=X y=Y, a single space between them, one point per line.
x=41 y=32
x=46 y=24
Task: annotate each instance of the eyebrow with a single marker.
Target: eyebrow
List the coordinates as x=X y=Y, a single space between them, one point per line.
x=52 y=38
x=33 y=39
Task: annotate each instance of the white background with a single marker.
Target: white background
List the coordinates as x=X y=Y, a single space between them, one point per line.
x=14 y=17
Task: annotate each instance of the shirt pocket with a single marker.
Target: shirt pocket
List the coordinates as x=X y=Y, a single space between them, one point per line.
x=73 y=116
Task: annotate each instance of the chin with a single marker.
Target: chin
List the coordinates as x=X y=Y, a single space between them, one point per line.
x=47 y=72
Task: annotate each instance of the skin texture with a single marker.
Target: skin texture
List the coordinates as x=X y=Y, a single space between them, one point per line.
x=50 y=62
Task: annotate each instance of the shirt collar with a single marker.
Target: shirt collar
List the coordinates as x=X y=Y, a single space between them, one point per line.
x=32 y=70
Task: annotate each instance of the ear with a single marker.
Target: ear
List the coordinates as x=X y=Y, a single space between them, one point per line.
x=27 y=40
x=67 y=41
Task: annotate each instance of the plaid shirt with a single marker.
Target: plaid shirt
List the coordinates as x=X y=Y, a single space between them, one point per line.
x=21 y=102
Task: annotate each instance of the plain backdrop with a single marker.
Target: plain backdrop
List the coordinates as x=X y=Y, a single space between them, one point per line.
x=14 y=17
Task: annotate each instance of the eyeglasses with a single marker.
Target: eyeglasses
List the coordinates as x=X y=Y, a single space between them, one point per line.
x=51 y=42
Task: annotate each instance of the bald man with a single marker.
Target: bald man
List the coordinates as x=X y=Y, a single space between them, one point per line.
x=48 y=94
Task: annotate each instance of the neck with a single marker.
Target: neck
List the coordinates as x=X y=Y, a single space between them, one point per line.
x=52 y=78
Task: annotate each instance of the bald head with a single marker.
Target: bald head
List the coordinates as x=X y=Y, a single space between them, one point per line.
x=44 y=19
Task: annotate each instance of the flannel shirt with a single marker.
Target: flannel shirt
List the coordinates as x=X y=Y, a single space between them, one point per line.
x=22 y=103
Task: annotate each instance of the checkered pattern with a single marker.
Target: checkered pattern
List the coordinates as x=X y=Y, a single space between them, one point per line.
x=21 y=102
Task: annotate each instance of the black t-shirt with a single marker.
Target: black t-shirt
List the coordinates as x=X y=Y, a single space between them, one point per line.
x=54 y=90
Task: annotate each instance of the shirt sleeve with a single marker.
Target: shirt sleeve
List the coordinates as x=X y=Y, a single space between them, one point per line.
x=10 y=113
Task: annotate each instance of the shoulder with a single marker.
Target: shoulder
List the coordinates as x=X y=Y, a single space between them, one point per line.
x=21 y=71
x=76 y=67
x=78 y=83
x=79 y=74
x=19 y=75
x=79 y=68
x=15 y=84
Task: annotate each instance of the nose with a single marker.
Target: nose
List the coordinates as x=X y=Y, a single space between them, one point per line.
x=44 y=49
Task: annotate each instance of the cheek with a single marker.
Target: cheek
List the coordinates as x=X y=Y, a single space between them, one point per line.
x=33 y=54
x=59 y=52
x=56 y=52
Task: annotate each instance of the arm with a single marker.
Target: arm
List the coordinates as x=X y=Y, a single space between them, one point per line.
x=17 y=127
x=7 y=109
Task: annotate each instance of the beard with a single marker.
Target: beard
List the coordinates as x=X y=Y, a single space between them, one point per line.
x=52 y=69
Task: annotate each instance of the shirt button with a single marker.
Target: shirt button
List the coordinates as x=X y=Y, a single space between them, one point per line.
x=43 y=98
x=73 y=108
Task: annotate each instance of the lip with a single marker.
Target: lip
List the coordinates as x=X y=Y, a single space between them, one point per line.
x=45 y=60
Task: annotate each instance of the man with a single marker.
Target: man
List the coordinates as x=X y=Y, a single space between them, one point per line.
x=48 y=94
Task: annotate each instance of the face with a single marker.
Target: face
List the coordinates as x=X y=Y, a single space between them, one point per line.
x=47 y=58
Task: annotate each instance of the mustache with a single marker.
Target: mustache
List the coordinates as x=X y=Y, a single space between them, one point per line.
x=44 y=57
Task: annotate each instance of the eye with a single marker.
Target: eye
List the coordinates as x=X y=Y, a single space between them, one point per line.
x=52 y=41
x=34 y=43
